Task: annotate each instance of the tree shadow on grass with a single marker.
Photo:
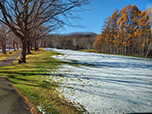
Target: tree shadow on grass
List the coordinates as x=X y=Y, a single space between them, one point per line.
x=48 y=85
x=20 y=78
x=10 y=73
x=33 y=83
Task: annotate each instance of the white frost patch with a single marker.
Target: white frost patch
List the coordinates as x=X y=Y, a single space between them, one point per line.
x=41 y=109
x=114 y=84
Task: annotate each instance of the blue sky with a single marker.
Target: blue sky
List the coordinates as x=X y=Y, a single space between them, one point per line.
x=93 y=19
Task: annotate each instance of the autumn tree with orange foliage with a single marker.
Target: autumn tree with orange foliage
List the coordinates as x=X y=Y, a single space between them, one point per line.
x=126 y=32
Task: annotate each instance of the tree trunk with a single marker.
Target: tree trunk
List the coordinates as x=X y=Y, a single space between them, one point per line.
x=149 y=50
x=14 y=45
x=31 y=46
x=148 y=53
x=28 y=47
x=35 y=45
x=23 y=52
x=17 y=45
x=10 y=49
x=3 y=46
x=125 y=50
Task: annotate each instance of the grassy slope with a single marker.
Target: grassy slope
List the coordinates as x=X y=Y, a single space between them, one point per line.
x=34 y=82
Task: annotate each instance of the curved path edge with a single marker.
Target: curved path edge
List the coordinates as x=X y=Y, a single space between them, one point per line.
x=11 y=100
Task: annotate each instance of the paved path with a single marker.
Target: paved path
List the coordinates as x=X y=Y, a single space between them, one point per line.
x=9 y=60
x=10 y=101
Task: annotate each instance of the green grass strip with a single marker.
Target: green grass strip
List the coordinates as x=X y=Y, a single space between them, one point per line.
x=33 y=80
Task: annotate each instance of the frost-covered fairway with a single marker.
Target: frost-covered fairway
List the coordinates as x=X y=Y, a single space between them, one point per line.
x=106 y=84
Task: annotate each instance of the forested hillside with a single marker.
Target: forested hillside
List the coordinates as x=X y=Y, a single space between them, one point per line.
x=126 y=32
x=83 y=40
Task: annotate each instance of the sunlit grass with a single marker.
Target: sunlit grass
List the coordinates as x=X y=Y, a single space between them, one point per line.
x=34 y=82
x=88 y=50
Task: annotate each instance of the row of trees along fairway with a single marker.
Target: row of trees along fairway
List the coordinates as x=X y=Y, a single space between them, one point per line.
x=126 y=32
x=25 y=18
x=8 y=40
x=76 y=40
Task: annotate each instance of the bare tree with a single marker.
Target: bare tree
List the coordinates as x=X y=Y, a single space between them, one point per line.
x=19 y=14
x=83 y=40
x=12 y=40
x=149 y=51
x=3 y=35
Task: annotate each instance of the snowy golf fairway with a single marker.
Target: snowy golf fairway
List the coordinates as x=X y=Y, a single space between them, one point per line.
x=105 y=84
